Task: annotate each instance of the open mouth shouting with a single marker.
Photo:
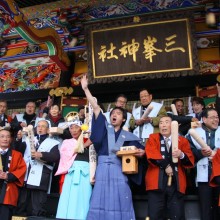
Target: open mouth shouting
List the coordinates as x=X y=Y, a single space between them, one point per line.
x=114 y=119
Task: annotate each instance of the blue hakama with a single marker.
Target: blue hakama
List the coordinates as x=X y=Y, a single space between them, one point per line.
x=76 y=193
x=111 y=197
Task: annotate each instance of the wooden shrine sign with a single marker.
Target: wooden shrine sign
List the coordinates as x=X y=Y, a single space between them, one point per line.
x=137 y=49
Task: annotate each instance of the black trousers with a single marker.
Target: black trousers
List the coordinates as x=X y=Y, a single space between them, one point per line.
x=167 y=204
x=31 y=202
x=208 y=201
x=6 y=212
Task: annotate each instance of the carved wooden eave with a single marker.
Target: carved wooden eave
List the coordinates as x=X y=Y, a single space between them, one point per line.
x=16 y=19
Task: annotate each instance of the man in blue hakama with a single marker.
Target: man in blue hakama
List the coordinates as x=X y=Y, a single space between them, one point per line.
x=111 y=196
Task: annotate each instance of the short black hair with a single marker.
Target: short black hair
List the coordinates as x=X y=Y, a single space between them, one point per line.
x=144 y=89
x=55 y=104
x=3 y=100
x=80 y=107
x=6 y=129
x=31 y=102
x=121 y=95
x=177 y=100
x=198 y=100
x=206 y=111
x=124 y=113
x=166 y=116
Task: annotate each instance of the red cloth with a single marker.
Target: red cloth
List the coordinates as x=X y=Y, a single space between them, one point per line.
x=18 y=169
x=153 y=152
x=9 y=119
x=215 y=168
x=62 y=177
x=55 y=119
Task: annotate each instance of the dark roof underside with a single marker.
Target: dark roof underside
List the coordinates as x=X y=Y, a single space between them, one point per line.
x=28 y=3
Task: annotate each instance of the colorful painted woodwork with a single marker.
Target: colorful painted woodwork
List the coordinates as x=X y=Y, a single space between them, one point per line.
x=15 y=18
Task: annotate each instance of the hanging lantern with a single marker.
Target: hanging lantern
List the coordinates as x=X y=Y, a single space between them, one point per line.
x=212 y=16
x=211 y=19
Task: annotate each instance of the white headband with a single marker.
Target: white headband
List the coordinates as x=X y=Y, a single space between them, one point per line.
x=75 y=122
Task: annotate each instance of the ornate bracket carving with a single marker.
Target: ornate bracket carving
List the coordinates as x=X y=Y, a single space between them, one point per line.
x=60 y=91
x=16 y=19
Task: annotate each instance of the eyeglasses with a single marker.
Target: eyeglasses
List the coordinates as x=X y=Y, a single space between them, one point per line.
x=213 y=117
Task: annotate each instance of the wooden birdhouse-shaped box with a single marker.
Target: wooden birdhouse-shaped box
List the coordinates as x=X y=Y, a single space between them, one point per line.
x=129 y=164
x=129 y=161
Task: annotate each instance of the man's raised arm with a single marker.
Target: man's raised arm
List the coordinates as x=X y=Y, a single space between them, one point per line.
x=90 y=98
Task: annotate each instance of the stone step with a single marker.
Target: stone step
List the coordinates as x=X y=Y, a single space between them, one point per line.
x=140 y=206
x=19 y=218
x=30 y=218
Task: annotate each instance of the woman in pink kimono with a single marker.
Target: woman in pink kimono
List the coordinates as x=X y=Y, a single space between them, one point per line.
x=76 y=190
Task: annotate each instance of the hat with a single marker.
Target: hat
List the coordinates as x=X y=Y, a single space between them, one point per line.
x=75 y=122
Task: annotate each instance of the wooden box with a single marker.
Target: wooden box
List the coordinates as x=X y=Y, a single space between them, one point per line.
x=129 y=161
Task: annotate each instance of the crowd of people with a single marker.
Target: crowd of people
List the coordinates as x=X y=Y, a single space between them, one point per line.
x=36 y=160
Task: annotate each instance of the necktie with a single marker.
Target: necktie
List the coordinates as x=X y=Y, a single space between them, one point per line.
x=3 y=152
x=167 y=144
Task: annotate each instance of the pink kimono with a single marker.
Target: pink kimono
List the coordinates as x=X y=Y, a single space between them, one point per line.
x=67 y=156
